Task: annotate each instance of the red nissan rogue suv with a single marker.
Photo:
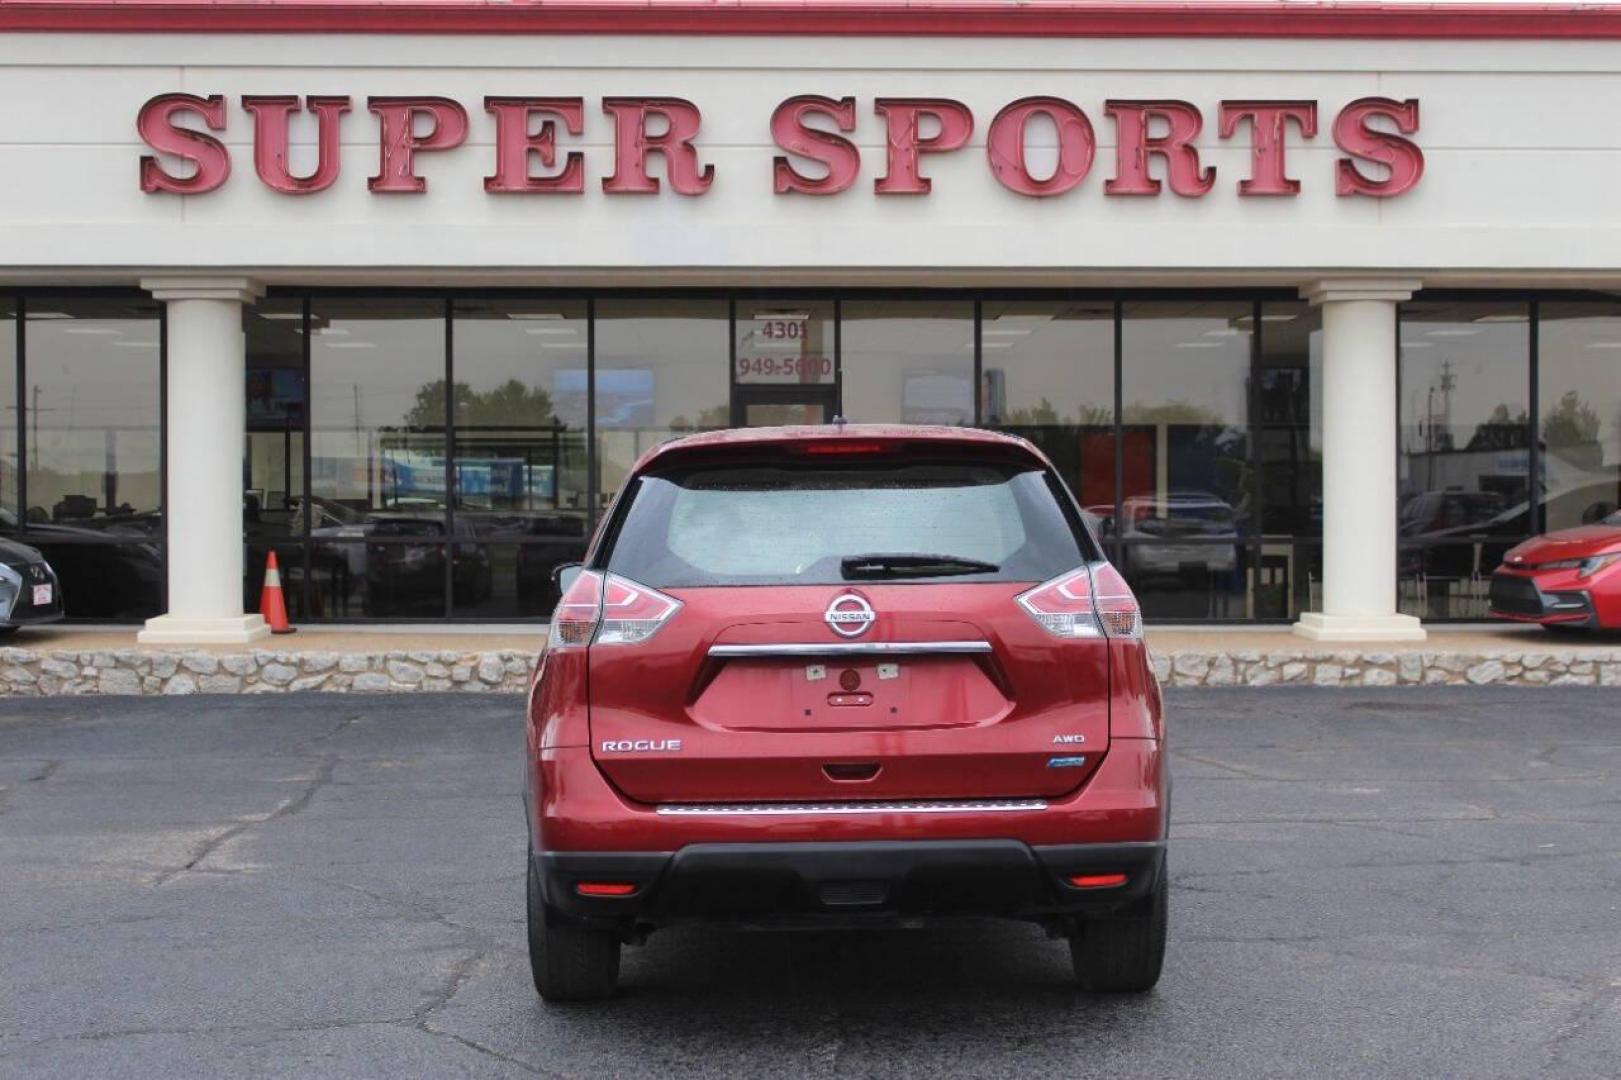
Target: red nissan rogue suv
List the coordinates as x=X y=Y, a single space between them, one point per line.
x=844 y=675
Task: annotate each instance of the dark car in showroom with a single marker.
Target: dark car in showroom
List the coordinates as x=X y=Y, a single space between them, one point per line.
x=29 y=591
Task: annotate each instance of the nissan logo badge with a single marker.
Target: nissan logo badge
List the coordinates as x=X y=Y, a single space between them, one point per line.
x=849 y=615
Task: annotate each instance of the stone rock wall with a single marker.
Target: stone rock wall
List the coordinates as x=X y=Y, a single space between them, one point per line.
x=1587 y=666
x=27 y=672
x=260 y=671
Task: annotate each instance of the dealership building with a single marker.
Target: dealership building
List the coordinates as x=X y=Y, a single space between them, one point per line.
x=1316 y=307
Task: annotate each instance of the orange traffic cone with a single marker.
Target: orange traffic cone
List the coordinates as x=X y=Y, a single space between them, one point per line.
x=271 y=603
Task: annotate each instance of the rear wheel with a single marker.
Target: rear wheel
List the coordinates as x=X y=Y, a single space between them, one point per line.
x=1124 y=953
x=570 y=961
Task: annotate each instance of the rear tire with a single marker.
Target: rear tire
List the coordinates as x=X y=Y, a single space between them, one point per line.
x=1123 y=954
x=570 y=961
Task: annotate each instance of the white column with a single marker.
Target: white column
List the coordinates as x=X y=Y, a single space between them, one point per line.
x=1359 y=463
x=207 y=421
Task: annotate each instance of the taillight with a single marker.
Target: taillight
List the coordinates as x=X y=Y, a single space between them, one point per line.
x=1086 y=602
x=1117 y=607
x=1063 y=606
x=606 y=609
x=632 y=612
x=577 y=613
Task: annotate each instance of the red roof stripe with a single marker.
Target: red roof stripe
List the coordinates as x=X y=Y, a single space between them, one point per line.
x=959 y=18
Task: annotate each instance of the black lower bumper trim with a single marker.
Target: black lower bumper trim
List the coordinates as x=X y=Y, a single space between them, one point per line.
x=762 y=883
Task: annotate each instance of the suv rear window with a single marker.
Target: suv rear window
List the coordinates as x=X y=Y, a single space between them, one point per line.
x=769 y=524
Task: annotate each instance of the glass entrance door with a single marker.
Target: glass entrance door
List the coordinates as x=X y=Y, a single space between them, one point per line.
x=756 y=408
x=784 y=368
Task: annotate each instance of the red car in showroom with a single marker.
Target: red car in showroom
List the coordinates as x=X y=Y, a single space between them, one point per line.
x=1565 y=579
x=844 y=675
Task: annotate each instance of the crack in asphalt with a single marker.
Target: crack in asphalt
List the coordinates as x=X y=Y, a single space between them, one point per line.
x=50 y=769
x=459 y=978
x=478 y=947
x=343 y=725
x=323 y=776
x=1598 y=1003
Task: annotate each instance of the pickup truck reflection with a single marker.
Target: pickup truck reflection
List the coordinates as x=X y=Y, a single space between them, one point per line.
x=1184 y=534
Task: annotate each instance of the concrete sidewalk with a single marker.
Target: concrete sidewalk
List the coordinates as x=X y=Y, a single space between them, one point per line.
x=108 y=660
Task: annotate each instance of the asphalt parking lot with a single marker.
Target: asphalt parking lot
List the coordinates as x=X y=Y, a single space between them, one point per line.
x=1366 y=883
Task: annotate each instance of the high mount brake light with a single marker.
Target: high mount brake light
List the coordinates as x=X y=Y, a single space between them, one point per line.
x=839 y=446
x=606 y=609
x=1087 y=602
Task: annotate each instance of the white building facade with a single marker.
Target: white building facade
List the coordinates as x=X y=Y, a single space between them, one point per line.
x=1316 y=308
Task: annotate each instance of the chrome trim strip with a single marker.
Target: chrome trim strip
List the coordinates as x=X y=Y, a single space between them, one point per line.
x=854 y=648
x=936 y=806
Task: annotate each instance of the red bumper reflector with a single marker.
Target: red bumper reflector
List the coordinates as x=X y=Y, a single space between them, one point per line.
x=605 y=888
x=1096 y=881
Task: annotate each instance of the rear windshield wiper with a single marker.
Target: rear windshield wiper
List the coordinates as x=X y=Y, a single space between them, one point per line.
x=856 y=567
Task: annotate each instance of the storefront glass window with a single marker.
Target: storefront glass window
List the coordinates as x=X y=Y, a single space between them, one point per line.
x=1289 y=435
x=522 y=504
x=447 y=439
x=274 y=333
x=1047 y=374
x=9 y=461
x=908 y=361
x=1464 y=466
x=95 y=488
x=377 y=457
x=1579 y=365
x=1188 y=495
x=661 y=369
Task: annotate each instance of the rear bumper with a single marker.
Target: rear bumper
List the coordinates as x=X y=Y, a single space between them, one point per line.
x=857 y=867
x=784 y=884
x=573 y=808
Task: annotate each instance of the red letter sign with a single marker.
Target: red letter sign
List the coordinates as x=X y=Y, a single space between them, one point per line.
x=1005 y=145
x=633 y=143
x=399 y=142
x=1402 y=157
x=1134 y=144
x=271 y=115
x=515 y=145
x=906 y=144
x=158 y=130
x=1269 y=126
x=839 y=154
